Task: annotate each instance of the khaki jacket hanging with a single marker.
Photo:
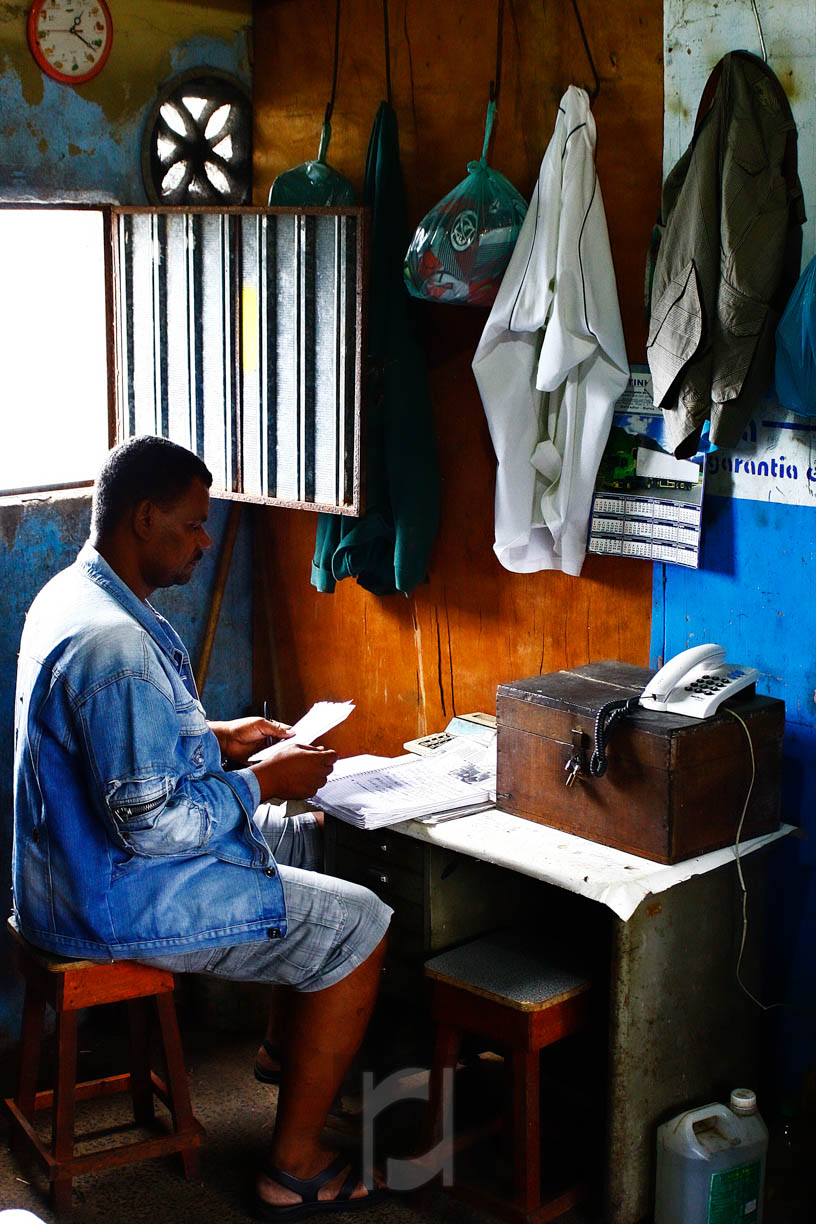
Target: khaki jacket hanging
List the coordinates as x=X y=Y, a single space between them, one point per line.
x=728 y=257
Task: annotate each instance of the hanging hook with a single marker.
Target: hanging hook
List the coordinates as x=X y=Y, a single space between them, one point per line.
x=759 y=31
x=597 y=87
x=387 y=53
x=495 y=84
x=330 y=103
x=325 y=131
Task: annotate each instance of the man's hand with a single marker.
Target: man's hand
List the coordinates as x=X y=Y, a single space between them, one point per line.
x=295 y=771
x=241 y=738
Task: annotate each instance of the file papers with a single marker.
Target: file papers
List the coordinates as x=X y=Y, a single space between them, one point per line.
x=323 y=716
x=455 y=782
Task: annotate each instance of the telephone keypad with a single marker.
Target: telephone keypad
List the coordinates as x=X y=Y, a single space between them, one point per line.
x=707 y=684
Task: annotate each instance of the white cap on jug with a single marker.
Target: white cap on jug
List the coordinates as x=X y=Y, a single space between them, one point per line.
x=743 y=1101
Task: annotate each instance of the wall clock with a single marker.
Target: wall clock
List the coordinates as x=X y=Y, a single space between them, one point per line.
x=70 y=39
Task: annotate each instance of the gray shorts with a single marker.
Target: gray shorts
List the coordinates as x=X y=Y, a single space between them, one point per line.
x=332 y=924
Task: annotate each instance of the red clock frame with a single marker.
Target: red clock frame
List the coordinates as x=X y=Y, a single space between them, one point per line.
x=49 y=69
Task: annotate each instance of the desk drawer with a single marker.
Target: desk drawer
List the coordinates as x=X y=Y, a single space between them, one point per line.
x=377 y=845
x=387 y=879
x=406 y=935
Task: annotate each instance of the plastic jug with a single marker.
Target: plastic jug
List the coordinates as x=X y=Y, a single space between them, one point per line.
x=711 y=1164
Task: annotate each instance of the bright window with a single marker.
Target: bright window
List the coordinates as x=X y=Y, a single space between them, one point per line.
x=53 y=373
x=236 y=333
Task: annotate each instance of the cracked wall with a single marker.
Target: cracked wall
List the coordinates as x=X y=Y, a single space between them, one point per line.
x=84 y=142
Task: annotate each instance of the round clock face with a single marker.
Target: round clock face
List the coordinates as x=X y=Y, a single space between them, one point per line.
x=70 y=39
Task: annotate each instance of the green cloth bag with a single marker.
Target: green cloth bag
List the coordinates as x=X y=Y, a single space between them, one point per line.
x=388 y=549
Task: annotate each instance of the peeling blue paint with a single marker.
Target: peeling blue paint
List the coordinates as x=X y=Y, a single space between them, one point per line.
x=213 y=53
x=62 y=118
x=36 y=160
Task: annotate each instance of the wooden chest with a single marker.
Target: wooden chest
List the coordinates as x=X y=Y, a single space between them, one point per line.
x=674 y=787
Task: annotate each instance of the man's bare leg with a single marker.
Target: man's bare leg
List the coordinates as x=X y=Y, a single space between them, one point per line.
x=273 y=1036
x=279 y=1000
x=324 y=1030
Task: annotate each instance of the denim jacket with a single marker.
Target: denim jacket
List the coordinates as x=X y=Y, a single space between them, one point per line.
x=129 y=837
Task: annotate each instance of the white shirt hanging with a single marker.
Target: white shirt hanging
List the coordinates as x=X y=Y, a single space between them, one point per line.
x=551 y=361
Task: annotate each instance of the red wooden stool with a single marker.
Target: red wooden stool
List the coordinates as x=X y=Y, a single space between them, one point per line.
x=496 y=988
x=68 y=985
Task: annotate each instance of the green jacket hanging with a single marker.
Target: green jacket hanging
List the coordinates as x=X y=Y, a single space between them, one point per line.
x=388 y=549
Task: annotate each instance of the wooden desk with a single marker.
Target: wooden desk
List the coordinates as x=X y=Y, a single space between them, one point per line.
x=681 y=1032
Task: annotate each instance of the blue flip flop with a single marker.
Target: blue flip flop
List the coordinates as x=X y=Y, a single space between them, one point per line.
x=308 y=1189
x=261 y=1074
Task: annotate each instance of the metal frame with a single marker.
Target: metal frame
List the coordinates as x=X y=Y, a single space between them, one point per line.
x=350 y=499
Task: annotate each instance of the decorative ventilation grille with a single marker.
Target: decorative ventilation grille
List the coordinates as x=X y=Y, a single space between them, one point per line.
x=197 y=143
x=240 y=337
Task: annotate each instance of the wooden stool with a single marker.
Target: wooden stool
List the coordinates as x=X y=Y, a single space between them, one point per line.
x=497 y=988
x=68 y=985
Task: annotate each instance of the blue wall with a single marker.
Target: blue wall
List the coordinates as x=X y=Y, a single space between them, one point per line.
x=755 y=593
x=37 y=539
x=60 y=142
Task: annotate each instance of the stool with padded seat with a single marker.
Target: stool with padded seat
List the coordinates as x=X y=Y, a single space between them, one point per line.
x=500 y=988
x=67 y=986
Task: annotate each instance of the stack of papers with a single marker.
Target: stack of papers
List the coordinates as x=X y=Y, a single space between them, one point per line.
x=456 y=781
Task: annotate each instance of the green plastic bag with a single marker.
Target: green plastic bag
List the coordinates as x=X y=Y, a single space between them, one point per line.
x=461 y=249
x=313 y=183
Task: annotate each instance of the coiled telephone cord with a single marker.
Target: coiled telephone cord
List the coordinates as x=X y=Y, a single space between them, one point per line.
x=606 y=720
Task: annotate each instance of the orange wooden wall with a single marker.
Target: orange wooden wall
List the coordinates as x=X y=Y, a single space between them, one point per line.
x=410 y=664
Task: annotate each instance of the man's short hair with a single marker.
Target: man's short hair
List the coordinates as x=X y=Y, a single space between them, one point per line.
x=143 y=469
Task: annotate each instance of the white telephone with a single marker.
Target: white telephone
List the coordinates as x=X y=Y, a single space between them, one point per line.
x=696 y=682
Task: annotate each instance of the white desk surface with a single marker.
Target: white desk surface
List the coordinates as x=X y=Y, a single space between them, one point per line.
x=613 y=877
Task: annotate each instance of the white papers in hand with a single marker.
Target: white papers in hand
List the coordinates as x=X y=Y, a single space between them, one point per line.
x=323 y=716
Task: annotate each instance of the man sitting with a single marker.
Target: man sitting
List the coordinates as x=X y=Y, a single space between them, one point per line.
x=131 y=840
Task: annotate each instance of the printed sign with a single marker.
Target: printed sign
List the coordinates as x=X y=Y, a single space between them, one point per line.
x=646 y=504
x=775 y=461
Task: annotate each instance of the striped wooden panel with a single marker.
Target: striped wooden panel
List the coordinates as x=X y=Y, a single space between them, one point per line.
x=240 y=337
